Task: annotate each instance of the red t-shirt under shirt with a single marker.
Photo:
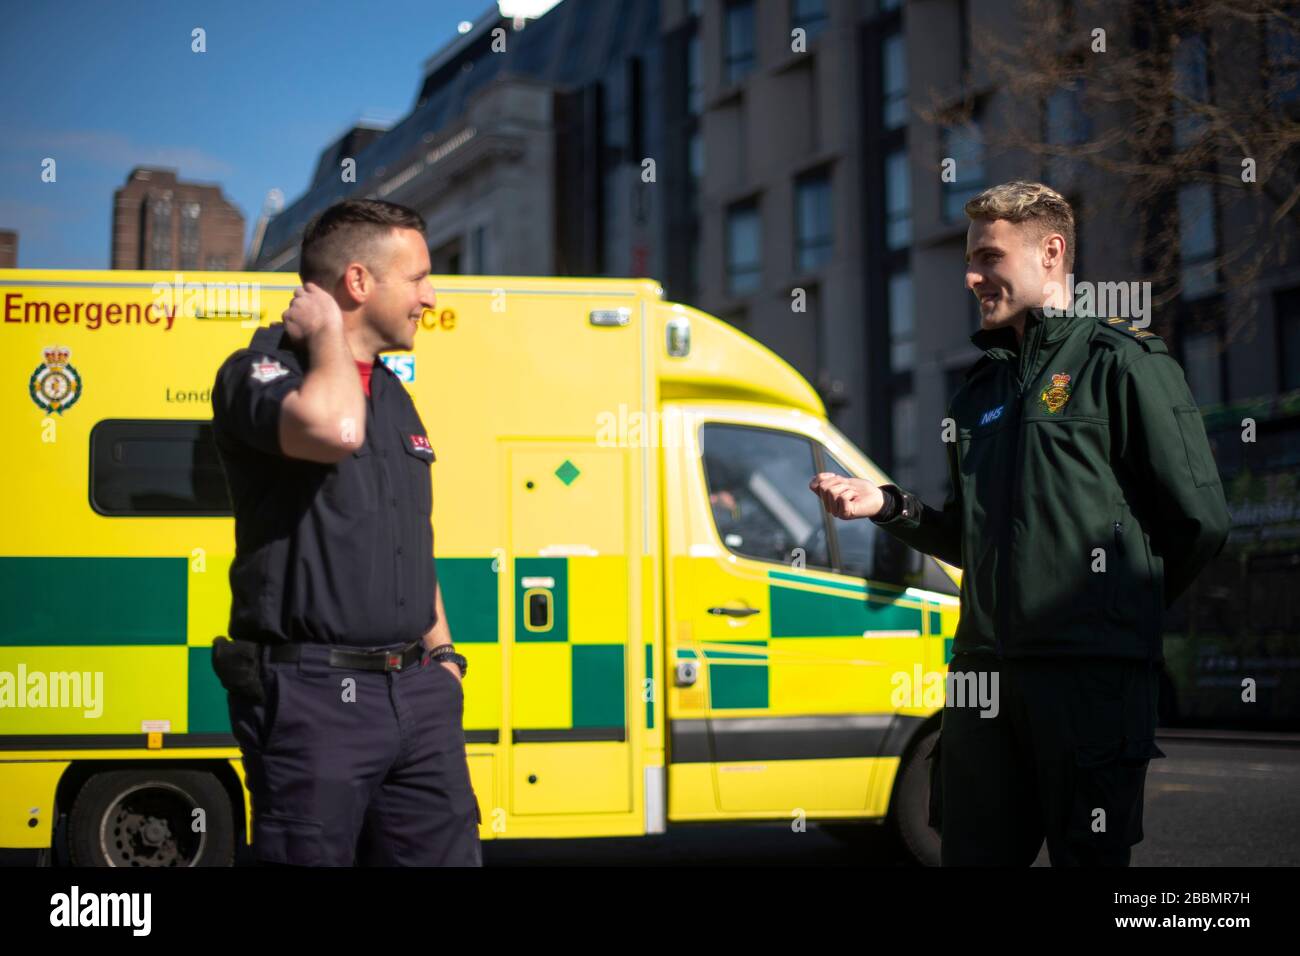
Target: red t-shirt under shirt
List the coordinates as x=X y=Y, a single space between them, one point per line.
x=365 y=369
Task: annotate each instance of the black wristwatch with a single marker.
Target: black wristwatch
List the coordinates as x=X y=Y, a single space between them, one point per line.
x=445 y=652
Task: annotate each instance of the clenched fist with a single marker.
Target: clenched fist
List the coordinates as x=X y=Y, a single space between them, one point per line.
x=312 y=311
x=847 y=497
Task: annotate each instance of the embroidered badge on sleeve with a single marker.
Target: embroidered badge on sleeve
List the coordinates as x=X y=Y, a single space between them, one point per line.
x=267 y=370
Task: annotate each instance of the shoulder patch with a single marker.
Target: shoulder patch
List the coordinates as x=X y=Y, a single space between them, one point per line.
x=267 y=369
x=1147 y=339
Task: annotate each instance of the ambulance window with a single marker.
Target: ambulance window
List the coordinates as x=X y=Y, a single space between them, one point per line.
x=758 y=493
x=866 y=551
x=156 y=468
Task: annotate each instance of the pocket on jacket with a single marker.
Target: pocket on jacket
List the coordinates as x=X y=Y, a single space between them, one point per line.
x=1200 y=462
x=351 y=486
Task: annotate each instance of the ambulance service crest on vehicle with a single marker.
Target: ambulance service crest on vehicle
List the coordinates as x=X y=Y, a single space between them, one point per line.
x=1054 y=397
x=55 y=385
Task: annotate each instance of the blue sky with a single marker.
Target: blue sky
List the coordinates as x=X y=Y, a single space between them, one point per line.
x=102 y=87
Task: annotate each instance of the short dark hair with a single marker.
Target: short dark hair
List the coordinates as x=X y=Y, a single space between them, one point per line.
x=349 y=231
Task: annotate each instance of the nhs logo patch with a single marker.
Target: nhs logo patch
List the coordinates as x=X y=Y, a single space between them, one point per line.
x=992 y=415
x=401 y=364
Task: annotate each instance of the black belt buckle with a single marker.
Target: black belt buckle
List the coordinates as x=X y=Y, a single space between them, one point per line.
x=374 y=660
x=399 y=659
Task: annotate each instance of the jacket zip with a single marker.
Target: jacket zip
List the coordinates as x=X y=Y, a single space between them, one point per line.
x=1114 y=565
x=1004 y=611
x=1027 y=361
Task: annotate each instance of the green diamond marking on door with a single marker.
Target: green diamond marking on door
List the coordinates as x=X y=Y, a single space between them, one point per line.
x=567 y=472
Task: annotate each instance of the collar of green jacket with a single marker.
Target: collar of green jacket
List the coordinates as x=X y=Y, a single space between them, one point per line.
x=1038 y=324
x=1040 y=329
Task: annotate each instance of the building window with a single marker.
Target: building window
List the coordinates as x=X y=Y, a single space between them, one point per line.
x=615 y=116
x=1197 y=240
x=738 y=37
x=1282 y=45
x=159 y=254
x=1065 y=125
x=893 y=80
x=964 y=144
x=479 y=247
x=1201 y=362
x=963 y=38
x=898 y=200
x=809 y=16
x=694 y=88
x=695 y=164
x=1191 y=86
x=744 y=249
x=189 y=258
x=814 y=239
x=902 y=327
x=217 y=264
x=904 y=429
x=1287 y=310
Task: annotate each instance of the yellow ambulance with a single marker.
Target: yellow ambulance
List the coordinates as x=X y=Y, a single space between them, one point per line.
x=662 y=625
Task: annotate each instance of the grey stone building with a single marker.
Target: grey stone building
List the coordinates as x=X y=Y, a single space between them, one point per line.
x=797 y=151
x=523 y=150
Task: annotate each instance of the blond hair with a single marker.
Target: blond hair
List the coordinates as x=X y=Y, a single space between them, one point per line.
x=1021 y=201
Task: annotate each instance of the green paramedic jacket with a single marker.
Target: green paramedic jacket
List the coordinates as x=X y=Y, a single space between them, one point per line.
x=1085 y=498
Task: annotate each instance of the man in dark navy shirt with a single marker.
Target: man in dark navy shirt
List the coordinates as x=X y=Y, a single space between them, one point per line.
x=344 y=688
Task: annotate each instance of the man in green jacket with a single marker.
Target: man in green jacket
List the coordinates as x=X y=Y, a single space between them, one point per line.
x=1084 y=501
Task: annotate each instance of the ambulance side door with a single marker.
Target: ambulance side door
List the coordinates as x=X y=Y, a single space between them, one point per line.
x=780 y=664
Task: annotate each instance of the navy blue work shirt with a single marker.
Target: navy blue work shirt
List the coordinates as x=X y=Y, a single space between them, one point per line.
x=327 y=554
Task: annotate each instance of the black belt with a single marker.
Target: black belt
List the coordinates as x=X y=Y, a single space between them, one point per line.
x=356 y=660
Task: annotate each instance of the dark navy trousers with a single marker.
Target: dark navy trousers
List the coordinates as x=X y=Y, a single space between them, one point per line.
x=1064 y=760
x=350 y=767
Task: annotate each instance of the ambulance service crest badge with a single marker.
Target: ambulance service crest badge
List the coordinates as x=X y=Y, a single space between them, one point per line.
x=55 y=385
x=1054 y=397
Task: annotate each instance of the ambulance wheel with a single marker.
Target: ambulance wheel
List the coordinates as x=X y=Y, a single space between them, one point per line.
x=910 y=811
x=147 y=818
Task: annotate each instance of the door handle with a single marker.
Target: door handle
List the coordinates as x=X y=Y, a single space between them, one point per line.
x=734 y=611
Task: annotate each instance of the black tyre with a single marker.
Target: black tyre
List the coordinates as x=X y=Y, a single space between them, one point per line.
x=146 y=818
x=910 y=810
